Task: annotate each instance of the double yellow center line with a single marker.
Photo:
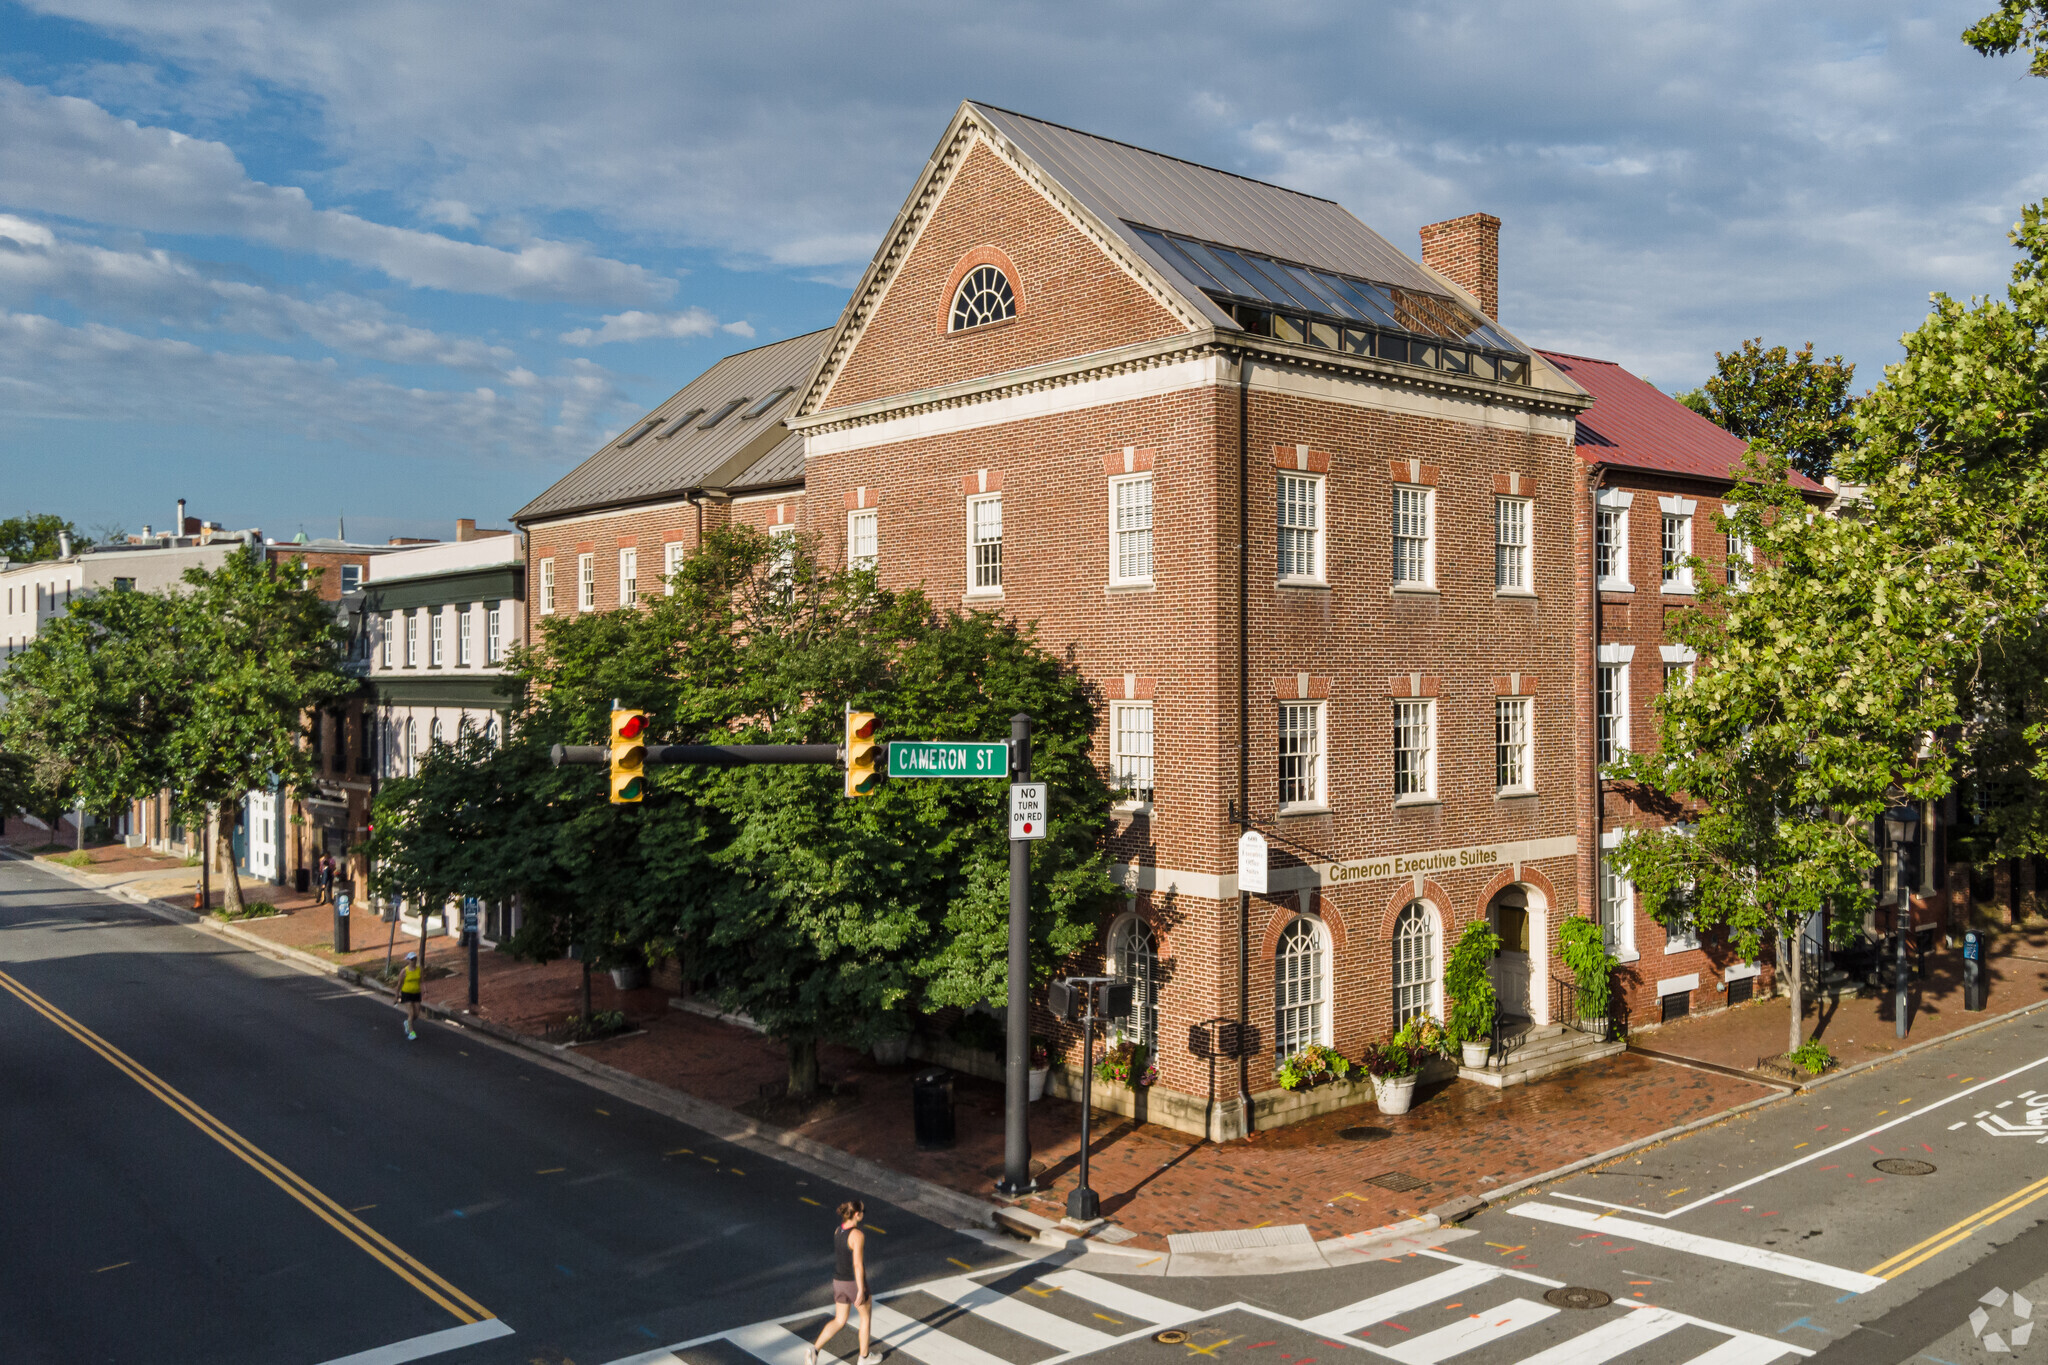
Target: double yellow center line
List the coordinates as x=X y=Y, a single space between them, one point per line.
x=1956 y=1232
x=380 y=1247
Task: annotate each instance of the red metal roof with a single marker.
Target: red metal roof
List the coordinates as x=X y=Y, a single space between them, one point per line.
x=1635 y=425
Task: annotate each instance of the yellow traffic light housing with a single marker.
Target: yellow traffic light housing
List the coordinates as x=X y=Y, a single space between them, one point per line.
x=862 y=753
x=629 y=757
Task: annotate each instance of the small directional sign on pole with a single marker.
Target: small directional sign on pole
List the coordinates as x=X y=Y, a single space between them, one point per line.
x=1251 y=862
x=1027 y=810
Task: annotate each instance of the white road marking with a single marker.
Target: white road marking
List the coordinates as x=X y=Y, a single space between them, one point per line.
x=1706 y=1199
x=1471 y=1333
x=1747 y=1350
x=432 y=1344
x=1736 y=1253
x=1110 y=1294
x=769 y=1341
x=1416 y=1294
x=1610 y=1338
x=1004 y=1311
x=922 y=1341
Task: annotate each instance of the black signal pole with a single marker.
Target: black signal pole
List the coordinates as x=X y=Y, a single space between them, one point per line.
x=1017 y=1180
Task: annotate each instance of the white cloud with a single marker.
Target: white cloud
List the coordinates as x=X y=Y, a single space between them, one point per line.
x=69 y=156
x=635 y=325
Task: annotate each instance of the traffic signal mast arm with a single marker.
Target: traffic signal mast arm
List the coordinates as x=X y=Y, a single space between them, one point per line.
x=717 y=755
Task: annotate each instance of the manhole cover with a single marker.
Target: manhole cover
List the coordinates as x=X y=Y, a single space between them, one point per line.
x=1398 y=1181
x=1172 y=1336
x=1903 y=1165
x=1577 y=1296
x=1364 y=1134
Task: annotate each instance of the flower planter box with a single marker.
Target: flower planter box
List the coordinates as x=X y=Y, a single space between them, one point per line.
x=1038 y=1075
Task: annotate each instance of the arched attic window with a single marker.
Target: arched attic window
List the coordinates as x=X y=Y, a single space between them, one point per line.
x=984 y=295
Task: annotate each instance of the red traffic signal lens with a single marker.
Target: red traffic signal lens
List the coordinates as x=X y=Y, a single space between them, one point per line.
x=631 y=727
x=864 y=729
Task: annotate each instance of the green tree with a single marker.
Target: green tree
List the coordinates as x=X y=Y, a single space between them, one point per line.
x=33 y=535
x=2015 y=24
x=1799 y=405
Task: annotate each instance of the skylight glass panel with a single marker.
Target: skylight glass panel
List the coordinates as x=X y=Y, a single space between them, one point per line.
x=1373 y=304
x=677 y=423
x=766 y=403
x=1324 y=300
x=636 y=433
x=1174 y=254
x=720 y=414
x=1271 y=277
x=1222 y=270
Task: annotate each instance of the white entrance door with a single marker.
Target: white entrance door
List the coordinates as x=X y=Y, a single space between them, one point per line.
x=1511 y=963
x=263 y=835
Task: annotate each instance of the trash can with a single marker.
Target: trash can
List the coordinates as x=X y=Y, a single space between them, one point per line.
x=931 y=1109
x=1975 y=988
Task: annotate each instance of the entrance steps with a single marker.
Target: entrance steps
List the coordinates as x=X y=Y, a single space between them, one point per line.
x=1538 y=1050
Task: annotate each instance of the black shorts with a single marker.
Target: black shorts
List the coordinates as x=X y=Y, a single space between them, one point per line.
x=409 y=997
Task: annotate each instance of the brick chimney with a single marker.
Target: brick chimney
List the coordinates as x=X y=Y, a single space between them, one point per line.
x=1467 y=250
x=465 y=528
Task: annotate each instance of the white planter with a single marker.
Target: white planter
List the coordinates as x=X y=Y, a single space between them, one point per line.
x=629 y=978
x=1038 y=1075
x=1394 y=1093
x=1475 y=1053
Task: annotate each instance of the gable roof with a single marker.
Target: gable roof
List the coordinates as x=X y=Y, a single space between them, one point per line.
x=643 y=465
x=1635 y=425
x=1113 y=191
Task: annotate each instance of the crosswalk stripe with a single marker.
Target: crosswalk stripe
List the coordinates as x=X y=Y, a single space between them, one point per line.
x=1471 y=1333
x=1610 y=1338
x=1004 y=1311
x=1747 y=1350
x=922 y=1341
x=1737 y=1253
x=769 y=1341
x=1112 y=1295
x=1342 y=1321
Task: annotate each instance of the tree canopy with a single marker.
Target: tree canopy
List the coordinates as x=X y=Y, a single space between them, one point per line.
x=33 y=535
x=1800 y=406
x=2015 y=24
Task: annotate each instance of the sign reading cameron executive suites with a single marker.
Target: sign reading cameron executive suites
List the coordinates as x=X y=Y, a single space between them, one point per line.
x=1426 y=863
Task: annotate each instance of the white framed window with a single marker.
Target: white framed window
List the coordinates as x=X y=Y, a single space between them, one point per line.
x=412 y=640
x=1414 y=544
x=672 y=555
x=494 y=632
x=464 y=653
x=1134 y=956
x=412 y=747
x=863 y=539
x=1617 y=907
x=1414 y=750
x=391 y=641
x=1130 y=529
x=1740 y=557
x=782 y=540
x=1684 y=938
x=586 y=582
x=1513 y=768
x=1301 y=754
x=1676 y=552
x=434 y=615
x=629 y=576
x=1130 y=729
x=437 y=734
x=547 y=587
x=1300 y=988
x=1511 y=544
x=985 y=543
x=1611 y=711
x=984 y=296
x=1610 y=539
x=1415 y=970
x=1301 y=526
x=351 y=577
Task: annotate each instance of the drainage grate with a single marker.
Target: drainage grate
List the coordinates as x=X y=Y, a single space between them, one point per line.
x=1364 y=1134
x=1900 y=1165
x=1398 y=1181
x=1172 y=1336
x=1577 y=1296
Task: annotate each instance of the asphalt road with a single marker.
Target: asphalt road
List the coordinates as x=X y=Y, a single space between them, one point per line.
x=212 y=1157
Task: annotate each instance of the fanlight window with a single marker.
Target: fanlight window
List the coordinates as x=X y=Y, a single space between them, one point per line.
x=984 y=296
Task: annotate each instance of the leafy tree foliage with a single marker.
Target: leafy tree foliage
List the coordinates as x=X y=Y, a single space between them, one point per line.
x=33 y=535
x=2015 y=24
x=1800 y=405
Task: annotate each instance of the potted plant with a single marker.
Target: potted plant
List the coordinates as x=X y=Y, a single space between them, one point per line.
x=1393 y=1070
x=1468 y=980
x=1124 y=1063
x=1584 y=946
x=1041 y=1066
x=1311 y=1066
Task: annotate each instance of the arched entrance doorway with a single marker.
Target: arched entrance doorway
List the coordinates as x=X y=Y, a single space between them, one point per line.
x=1508 y=913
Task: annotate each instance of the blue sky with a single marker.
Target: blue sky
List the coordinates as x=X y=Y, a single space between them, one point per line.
x=406 y=263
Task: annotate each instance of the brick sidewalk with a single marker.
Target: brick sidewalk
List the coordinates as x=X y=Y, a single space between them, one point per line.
x=1863 y=1030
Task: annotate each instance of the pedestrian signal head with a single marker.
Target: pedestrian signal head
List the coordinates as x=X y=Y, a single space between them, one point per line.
x=629 y=757
x=862 y=753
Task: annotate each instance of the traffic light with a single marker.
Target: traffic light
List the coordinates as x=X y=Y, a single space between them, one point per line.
x=861 y=753
x=629 y=757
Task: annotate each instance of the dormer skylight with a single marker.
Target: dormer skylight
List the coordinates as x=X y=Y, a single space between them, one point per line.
x=719 y=414
x=766 y=403
x=636 y=433
x=677 y=423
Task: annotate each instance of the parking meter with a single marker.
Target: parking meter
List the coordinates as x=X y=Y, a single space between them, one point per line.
x=1974 y=986
x=341 y=907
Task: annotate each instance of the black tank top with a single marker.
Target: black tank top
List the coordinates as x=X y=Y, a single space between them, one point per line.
x=842 y=1255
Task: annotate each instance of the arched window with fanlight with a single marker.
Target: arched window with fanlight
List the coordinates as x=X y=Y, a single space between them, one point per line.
x=412 y=747
x=1300 y=988
x=984 y=295
x=1415 y=972
x=1134 y=956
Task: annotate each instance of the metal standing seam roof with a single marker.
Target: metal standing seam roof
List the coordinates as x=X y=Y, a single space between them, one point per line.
x=1635 y=425
x=647 y=467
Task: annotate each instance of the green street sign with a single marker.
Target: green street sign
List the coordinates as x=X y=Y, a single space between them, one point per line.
x=947 y=758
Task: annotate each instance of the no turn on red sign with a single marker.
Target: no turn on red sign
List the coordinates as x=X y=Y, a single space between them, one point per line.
x=1027 y=810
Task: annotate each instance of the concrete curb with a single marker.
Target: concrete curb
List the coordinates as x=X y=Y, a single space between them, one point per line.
x=1695 y=1064
x=1924 y=1043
